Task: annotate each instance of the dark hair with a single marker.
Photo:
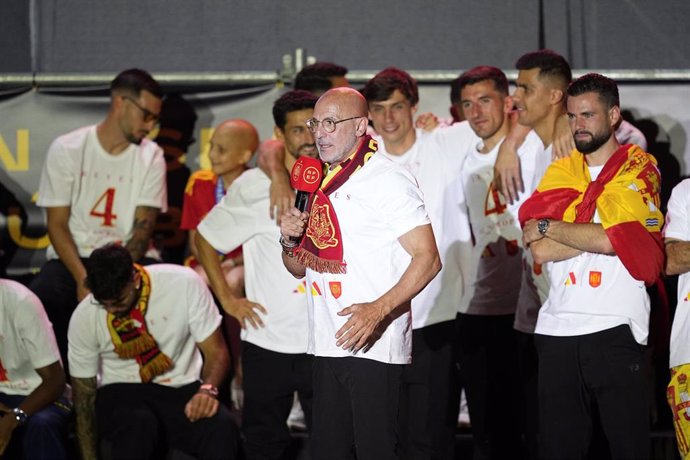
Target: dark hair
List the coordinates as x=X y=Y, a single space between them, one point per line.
x=549 y=63
x=482 y=73
x=316 y=77
x=134 y=81
x=387 y=81
x=606 y=88
x=292 y=101
x=108 y=270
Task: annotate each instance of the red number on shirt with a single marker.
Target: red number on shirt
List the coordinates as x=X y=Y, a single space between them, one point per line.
x=104 y=208
x=493 y=203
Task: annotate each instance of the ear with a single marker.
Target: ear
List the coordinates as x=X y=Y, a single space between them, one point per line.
x=413 y=109
x=278 y=133
x=557 y=96
x=614 y=115
x=246 y=156
x=362 y=124
x=508 y=104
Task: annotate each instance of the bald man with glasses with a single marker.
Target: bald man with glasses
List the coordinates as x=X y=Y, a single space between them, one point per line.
x=366 y=248
x=100 y=184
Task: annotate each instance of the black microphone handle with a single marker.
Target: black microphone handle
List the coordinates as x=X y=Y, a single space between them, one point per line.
x=302 y=200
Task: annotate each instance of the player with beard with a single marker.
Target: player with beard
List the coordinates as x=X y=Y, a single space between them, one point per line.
x=100 y=184
x=595 y=221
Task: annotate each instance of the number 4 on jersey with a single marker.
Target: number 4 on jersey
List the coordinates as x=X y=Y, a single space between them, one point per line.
x=494 y=203
x=104 y=208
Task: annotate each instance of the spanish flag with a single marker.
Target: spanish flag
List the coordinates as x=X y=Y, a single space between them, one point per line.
x=626 y=194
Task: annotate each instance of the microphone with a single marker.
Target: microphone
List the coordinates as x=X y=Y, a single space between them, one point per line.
x=306 y=178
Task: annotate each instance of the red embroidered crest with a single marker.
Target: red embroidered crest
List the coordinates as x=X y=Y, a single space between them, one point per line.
x=336 y=288
x=595 y=279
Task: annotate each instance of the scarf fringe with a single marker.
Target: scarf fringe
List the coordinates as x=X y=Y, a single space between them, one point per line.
x=135 y=347
x=157 y=366
x=319 y=264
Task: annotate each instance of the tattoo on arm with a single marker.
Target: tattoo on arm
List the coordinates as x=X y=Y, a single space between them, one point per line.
x=142 y=230
x=85 y=409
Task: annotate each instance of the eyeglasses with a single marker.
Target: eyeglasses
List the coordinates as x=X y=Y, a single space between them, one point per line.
x=148 y=115
x=328 y=124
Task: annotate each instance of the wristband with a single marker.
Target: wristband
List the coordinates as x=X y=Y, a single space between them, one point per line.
x=208 y=388
x=289 y=246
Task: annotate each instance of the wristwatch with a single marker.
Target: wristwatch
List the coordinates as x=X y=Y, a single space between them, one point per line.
x=20 y=415
x=543 y=226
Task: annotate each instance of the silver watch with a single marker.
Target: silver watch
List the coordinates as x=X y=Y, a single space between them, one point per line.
x=543 y=226
x=20 y=415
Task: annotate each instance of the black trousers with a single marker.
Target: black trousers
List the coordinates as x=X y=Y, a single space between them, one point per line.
x=355 y=409
x=529 y=367
x=580 y=376
x=487 y=354
x=145 y=420
x=430 y=395
x=270 y=380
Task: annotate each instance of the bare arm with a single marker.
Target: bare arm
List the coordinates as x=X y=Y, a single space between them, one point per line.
x=142 y=230
x=240 y=308
x=563 y=141
x=507 y=173
x=65 y=247
x=51 y=387
x=84 y=393
x=365 y=318
x=271 y=160
x=677 y=256
x=572 y=239
x=214 y=370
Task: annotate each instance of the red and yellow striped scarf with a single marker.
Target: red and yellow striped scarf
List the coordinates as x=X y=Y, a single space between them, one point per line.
x=321 y=248
x=131 y=337
x=626 y=195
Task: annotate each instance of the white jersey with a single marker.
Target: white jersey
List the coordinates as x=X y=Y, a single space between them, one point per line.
x=180 y=314
x=242 y=218
x=493 y=284
x=591 y=293
x=27 y=341
x=678 y=227
x=435 y=160
x=535 y=277
x=102 y=190
x=378 y=204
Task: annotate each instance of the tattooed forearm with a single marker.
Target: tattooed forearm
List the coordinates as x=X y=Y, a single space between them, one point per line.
x=142 y=230
x=84 y=393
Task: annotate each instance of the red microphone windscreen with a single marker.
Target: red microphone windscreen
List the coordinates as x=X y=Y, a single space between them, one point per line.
x=306 y=174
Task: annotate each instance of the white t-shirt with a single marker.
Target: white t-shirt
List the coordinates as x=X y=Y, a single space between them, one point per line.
x=535 y=284
x=377 y=205
x=591 y=293
x=27 y=341
x=493 y=284
x=102 y=190
x=180 y=314
x=678 y=227
x=242 y=218
x=435 y=160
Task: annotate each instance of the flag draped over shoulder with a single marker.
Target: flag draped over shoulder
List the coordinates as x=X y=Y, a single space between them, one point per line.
x=626 y=195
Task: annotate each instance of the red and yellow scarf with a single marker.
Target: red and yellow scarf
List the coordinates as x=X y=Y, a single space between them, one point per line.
x=626 y=194
x=131 y=337
x=321 y=248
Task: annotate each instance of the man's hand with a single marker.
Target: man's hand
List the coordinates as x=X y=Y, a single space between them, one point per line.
x=530 y=232
x=245 y=311
x=563 y=141
x=507 y=175
x=426 y=121
x=293 y=223
x=282 y=196
x=7 y=425
x=361 y=327
x=202 y=405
